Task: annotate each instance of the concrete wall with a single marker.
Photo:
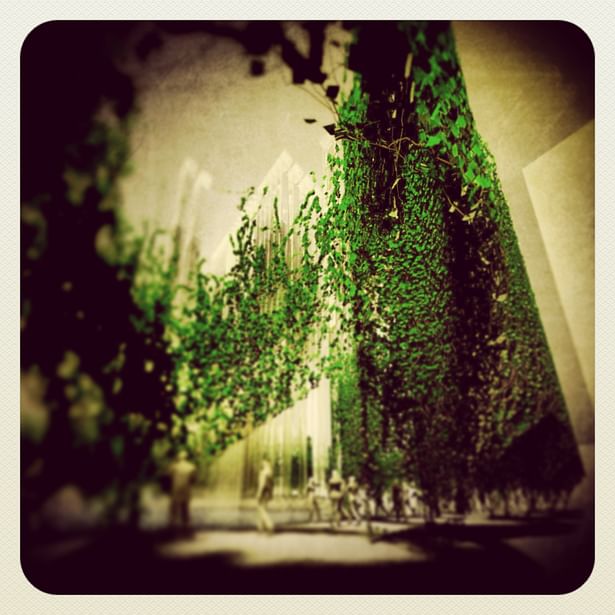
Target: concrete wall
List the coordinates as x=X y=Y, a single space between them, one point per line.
x=530 y=88
x=202 y=115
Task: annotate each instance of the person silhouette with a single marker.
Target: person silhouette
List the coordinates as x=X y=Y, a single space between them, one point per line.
x=264 y=494
x=336 y=486
x=352 y=490
x=183 y=475
x=398 y=501
x=312 y=498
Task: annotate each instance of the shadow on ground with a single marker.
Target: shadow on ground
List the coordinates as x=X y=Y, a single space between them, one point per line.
x=454 y=558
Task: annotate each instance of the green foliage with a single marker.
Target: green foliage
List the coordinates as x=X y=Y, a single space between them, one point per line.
x=91 y=338
x=245 y=344
x=409 y=292
x=346 y=414
x=453 y=362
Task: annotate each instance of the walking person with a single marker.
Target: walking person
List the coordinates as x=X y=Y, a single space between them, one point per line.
x=182 y=473
x=264 y=494
x=353 y=499
x=398 y=501
x=312 y=497
x=412 y=499
x=366 y=507
x=378 y=497
x=336 y=485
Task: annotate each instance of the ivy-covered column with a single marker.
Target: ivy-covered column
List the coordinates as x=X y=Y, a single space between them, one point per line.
x=450 y=348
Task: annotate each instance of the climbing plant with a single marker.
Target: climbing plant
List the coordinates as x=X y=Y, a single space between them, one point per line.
x=449 y=341
x=401 y=281
x=410 y=292
x=243 y=343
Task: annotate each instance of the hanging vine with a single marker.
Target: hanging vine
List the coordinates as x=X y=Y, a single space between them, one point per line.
x=410 y=292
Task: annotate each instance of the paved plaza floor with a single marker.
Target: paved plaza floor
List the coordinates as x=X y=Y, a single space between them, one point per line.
x=477 y=556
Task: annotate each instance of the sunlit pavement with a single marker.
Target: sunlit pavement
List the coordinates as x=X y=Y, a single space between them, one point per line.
x=231 y=531
x=289 y=547
x=355 y=544
x=224 y=553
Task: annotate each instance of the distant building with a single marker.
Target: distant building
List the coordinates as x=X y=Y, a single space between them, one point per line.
x=297 y=441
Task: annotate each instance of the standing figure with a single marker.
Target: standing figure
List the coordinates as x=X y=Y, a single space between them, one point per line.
x=336 y=485
x=264 y=494
x=413 y=504
x=183 y=474
x=312 y=497
x=366 y=506
x=378 y=497
x=398 y=501
x=353 y=499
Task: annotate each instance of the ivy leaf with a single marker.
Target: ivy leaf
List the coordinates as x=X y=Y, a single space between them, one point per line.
x=461 y=122
x=483 y=181
x=435 y=117
x=434 y=140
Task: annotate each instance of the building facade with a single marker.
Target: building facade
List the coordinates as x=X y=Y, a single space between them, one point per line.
x=298 y=440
